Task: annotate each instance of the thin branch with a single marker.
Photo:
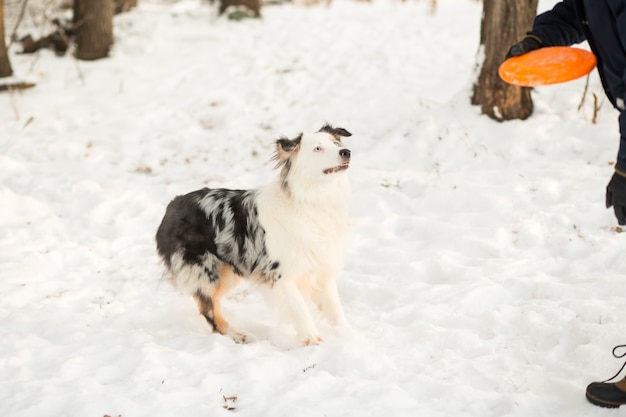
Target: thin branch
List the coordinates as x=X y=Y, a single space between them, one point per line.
x=582 y=99
x=17 y=24
x=20 y=85
x=596 y=108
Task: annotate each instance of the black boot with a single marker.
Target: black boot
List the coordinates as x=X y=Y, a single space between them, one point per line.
x=609 y=394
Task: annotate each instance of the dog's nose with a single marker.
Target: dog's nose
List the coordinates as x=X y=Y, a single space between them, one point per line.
x=345 y=153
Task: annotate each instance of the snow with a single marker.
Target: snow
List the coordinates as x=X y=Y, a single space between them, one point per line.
x=484 y=276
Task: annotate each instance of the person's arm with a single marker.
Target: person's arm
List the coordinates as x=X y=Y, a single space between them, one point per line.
x=559 y=26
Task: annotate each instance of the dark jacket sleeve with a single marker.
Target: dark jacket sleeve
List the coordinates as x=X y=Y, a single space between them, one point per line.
x=560 y=26
x=619 y=12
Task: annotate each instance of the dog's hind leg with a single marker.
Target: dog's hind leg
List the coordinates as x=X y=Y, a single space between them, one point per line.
x=205 y=306
x=210 y=306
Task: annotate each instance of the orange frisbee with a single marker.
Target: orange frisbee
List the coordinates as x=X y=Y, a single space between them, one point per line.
x=544 y=66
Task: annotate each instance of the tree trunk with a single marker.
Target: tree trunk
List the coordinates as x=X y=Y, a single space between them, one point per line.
x=122 y=6
x=504 y=23
x=5 y=64
x=93 y=23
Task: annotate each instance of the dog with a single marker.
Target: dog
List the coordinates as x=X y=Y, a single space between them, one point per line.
x=289 y=234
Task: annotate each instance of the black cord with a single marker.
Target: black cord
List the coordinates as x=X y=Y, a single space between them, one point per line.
x=618 y=357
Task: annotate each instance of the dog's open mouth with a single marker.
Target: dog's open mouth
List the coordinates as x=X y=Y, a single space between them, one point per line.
x=338 y=168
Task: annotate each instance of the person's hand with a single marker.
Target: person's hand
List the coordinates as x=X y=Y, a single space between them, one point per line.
x=616 y=196
x=529 y=43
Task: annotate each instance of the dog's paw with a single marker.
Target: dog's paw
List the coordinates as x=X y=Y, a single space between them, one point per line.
x=238 y=337
x=312 y=341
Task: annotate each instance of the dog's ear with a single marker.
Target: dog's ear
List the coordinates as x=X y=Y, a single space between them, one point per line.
x=285 y=148
x=337 y=132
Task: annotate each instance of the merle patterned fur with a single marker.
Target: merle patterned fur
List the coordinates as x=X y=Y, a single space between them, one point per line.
x=213 y=226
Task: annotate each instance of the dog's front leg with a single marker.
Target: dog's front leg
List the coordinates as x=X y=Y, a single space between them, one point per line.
x=293 y=301
x=327 y=299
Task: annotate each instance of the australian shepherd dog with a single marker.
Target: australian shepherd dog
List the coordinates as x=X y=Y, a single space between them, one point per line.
x=289 y=234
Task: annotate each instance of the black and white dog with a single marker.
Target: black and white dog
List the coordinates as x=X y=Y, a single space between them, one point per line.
x=289 y=234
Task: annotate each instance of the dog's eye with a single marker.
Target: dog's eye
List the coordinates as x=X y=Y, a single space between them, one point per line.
x=317 y=149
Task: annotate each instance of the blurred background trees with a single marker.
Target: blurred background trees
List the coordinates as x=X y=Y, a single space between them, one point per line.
x=90 y=34
x=93 y=28
x=5 y=64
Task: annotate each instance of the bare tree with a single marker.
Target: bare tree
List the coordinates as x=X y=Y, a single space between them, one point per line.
x=124 y=5
x=5 y=64
x=504 y=23
x=93 y=24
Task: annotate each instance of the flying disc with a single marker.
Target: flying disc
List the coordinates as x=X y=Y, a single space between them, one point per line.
x=545 y=66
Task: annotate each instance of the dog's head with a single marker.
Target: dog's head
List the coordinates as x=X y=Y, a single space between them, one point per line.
x=313 y=156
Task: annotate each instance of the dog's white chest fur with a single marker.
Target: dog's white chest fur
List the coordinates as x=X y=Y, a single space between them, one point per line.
x=310 y=230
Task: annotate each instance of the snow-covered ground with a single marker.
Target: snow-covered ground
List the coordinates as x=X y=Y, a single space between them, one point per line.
x=484 y=276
